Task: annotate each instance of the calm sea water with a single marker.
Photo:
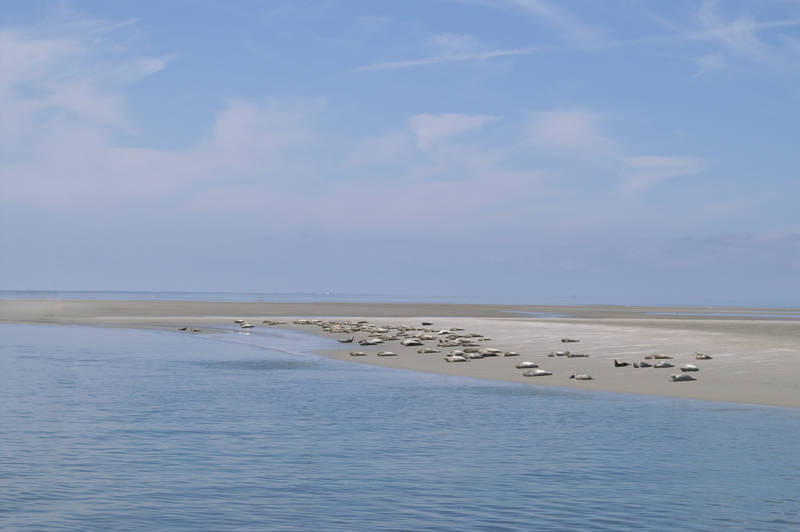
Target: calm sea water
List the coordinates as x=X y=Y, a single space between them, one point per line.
x=339 y=297
x=104 y=429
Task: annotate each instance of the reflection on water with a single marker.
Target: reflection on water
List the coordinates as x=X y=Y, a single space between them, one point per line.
x=125 y=430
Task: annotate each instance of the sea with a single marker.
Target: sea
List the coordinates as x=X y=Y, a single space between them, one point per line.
x=117 y=430
x=701 y=304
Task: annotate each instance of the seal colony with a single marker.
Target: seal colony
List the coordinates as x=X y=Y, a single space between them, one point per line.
x=741 y=355
x=454 y=344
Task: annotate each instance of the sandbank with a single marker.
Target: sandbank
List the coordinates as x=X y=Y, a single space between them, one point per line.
x=755 y=352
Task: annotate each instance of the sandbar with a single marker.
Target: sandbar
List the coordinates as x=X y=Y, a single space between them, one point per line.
x=755 y=352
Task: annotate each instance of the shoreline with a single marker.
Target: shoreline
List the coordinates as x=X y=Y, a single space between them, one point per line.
x=754 y=360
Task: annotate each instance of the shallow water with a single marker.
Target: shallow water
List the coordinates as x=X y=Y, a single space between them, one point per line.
x=106 y=429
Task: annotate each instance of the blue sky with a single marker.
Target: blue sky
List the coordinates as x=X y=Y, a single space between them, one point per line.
x=579 y=151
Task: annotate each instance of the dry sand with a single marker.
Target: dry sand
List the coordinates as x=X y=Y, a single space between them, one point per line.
x=756 y=353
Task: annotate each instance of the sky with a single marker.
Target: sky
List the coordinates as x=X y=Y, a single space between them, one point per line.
x=584 y=151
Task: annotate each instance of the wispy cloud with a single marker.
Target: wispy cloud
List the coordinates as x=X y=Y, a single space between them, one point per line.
x=709 y=63
x=260 y=159
x=573 y=131
x=649 y=171
x=740 y=39
x=47 y=86
x=579 y=133
x=741 y=36
x=737 y=36
x=450 y=58
x=63 y=103
x=430 y=146
x=429 y=128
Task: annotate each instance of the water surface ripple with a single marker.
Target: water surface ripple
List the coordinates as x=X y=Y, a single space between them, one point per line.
x=104 y=429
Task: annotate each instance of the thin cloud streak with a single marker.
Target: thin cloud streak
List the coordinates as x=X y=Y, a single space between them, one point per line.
x=678 y=38
x=451 y=58
x=717 y=32
x=585 y=38
x=647 y=171
x=682 y=37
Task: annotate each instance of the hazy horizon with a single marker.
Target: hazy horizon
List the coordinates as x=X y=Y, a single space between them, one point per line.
x=385 y=297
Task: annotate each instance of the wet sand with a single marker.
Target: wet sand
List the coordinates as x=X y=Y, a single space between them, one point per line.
x=756 y=352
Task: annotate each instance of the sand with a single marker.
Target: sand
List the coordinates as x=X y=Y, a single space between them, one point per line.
x=756 y=353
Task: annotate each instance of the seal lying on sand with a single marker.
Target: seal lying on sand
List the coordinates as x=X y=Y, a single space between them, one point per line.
x=370 y=341
x=536 y=373
x=411 y=341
